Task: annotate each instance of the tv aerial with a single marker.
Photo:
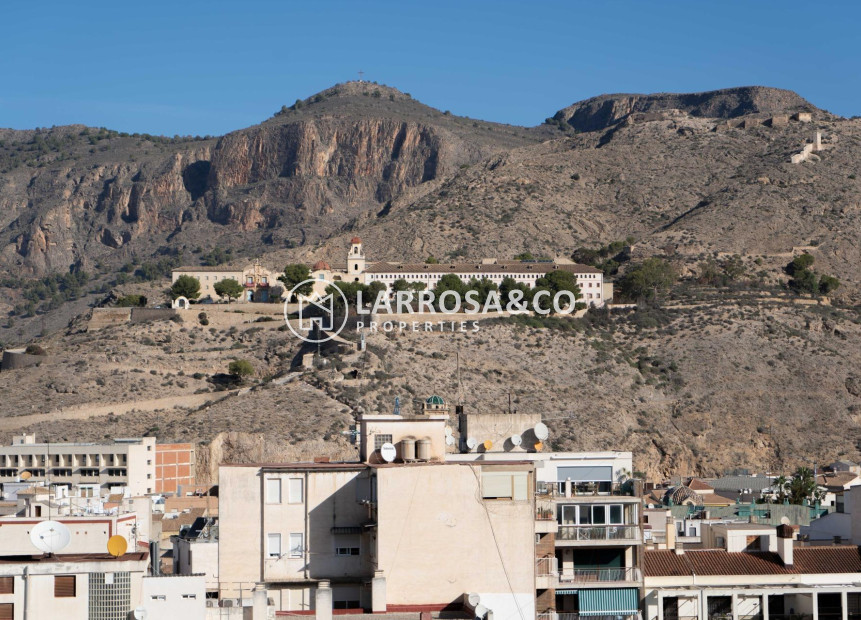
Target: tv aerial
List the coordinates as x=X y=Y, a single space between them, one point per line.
x=50 y=536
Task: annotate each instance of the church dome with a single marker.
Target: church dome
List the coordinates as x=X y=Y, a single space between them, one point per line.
x=355 y=240
x=435 y=400
x=320 y=265
x=682 y=496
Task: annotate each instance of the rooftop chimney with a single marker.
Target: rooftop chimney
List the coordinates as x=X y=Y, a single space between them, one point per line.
x=680 y=547
x=671 y=532
x=785 y=535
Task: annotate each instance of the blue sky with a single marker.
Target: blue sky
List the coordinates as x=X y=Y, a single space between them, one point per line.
x=192 y=67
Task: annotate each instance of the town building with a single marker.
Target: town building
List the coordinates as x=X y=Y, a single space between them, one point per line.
x=85 y=469
x=753 y=572
x=174 y=467
x=257 y=281
x=94 y=586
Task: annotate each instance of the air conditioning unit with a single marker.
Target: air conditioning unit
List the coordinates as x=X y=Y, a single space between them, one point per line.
x=211 y=602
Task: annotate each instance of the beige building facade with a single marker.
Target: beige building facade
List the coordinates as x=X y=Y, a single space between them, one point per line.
x=259 y=283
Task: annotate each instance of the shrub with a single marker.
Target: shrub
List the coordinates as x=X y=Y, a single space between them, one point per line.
x=240 y=368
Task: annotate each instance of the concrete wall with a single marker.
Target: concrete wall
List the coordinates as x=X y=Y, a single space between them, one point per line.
x=106 y=317
x=437 y=539
x=13 y=359
x=499 y=428
x=174 y=597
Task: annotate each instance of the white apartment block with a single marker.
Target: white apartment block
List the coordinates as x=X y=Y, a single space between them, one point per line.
x=85 y=469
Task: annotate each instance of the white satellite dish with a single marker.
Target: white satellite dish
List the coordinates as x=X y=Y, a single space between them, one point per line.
x=516 y=440
x=480 y=611
x=449 y=440
x=50 y=536
x=541 y=431
x=473 y=599
x=447 y=428
x=472 y=443
x=388 y=452
x=139 y=613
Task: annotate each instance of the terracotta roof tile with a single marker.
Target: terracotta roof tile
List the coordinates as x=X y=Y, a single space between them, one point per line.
x=808 y=560
x=480 y=268
x=698 y=485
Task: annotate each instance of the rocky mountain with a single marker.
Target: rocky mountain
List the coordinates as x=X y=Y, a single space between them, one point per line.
x=605 y=111
x=80 y=196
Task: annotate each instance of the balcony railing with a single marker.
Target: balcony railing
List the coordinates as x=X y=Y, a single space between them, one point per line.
x=594 y=575
x=558 y=615
x=549 y=567
x=557 y=489
x=598 y=532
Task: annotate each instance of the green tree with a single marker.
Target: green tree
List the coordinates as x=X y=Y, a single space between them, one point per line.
x=228 y=289
x=804 y=281
x=185 y=286
x=650 y=280
x=827 y=284
x=509 y=285
x=802 y=486
x=374 y=289
x=400 y=285
x=449 y=282
x=240 y=368
x=293 y=275
x=132 y=301
x=350 y=291
x=780 y=486
x=800 y=263
x=524 y=256
x=554 y=282
x=430 y=260
x=483 y=287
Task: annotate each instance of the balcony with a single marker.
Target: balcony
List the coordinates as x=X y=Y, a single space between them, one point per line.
x=554 y=615
x=584 y=489
x=598 y=534
x=548 y=576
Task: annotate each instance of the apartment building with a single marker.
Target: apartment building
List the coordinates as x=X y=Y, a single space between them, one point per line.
x=409 y=533
x=588 y=539
x=754 y=572
x=85 y=469
x=80 y=586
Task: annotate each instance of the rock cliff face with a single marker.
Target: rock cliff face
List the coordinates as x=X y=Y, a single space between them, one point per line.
x=305 y=173
x=605 y=111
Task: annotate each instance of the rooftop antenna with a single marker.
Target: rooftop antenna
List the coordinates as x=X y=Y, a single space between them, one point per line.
x=509 y=403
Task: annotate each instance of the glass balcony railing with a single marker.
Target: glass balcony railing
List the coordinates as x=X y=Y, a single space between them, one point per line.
x=598 y=532
x=558 y=489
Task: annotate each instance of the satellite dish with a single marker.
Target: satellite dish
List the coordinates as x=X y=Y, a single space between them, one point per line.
x=488 y=444
x=50 y=536
x=117 y=545
x=471 y=443
x=449 y=440
x=26 y=475
x=447 y=430
x=388 y=452
x=539 y=446
x=516 y=440
x=541 y=431
x=139 y=613
x=473 y=599
x=480 y=611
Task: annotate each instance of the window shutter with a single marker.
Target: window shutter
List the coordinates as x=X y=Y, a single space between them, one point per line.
x=64 y=586
x=295 y=490
x=7 y=611
x=7 y=585
x=520 y=485
x=496 y=485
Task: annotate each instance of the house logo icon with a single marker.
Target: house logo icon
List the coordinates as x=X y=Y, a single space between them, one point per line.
x=318 y=319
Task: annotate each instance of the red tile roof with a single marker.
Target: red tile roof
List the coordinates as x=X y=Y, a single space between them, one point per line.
x=807 y=560
x=500 y=267
x=698 y=485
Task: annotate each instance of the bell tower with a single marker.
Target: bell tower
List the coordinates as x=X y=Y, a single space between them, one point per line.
x=356 y=260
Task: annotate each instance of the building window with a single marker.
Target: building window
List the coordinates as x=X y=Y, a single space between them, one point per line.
x=347 y=545
x=64 y=586
x=295 y=491
x=346 y=551
x=504 y=485
x=273 y=545
x=297 y=547
x=7 y=585
x=273 y=491
x=379 y=440
x=191 y=596
x=7 y=611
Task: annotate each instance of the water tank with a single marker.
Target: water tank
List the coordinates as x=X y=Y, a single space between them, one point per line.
x=408 y=449
x=423 y=449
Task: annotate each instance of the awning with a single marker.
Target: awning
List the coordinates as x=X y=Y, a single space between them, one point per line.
x=585 y=473
x=568 y=591
x=346 y=529
x=616 y=601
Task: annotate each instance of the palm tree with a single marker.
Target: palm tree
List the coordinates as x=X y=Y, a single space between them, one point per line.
x=802 y=486
x=780 y=485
